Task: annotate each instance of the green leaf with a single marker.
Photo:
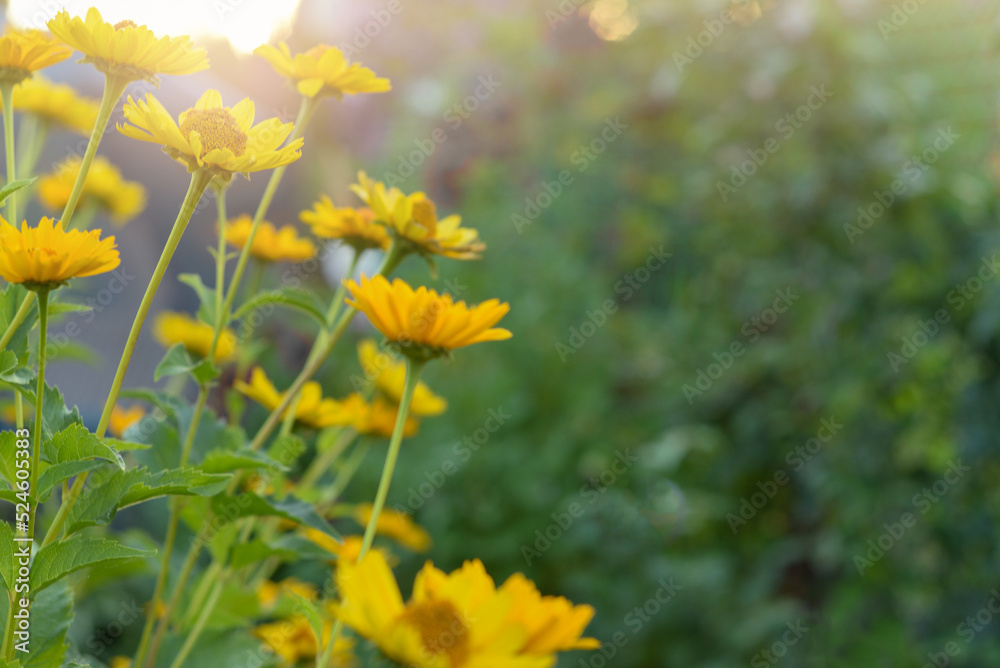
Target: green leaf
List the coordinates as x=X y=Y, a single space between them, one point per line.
x=21 y=376
x=125 y=446
x=13 y=187
x=75 y=352
x=206 y=312
x=178 y=361
x=56 y=473
x=218 y=648
x=57 y=560
x=75 y=443
x=11 y=299
x=249 y=504
x=58 y=308
x=8 y=360
x=311 y=612
x=7 y=549
x=286 y=449
x=177 y=482
x=51 y=616
x=257 y=551
x=225 y=461
x=295 y=298
x=7 y=456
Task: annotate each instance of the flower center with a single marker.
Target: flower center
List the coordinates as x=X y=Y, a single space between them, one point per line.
x=125 y=24
x=441 y=628
x=217 y=128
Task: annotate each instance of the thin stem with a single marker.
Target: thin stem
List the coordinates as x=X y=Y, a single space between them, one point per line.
x=35 y=132
x=22 y=313
x=114 y=88
x=36 y=451
x=201 y=591
x=7 y=96
x=413 y=370
x=199 y=626
x=344 y=475
x=320 y=464
x=220 y=274
x=327 y=658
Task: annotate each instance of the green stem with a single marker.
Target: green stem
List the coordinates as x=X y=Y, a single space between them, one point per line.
x=199 y=626
x=22 y=313
x=344 y=476
x=43 y=321
x=220 y=274
x=320 y=464
x=31 y=141
x=114 y=88
x=200 y=592
x=413 y=370
x=327 y=658
x=7 y=96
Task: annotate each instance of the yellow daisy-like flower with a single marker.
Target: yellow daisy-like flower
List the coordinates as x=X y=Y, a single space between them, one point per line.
x=413 y=218
x=347 y=550
x=390 y=376
x=56 y=103
x=211 y=136
x=397 y=525
x=123 y=418
x=355 y=227
x=104 y=184
x=423 y=323
x=22 y=53
x=376 y=417
x=553 y=623
x=312 y=408
x=294 y=639
x=126 y=50
x=322 y=70
x=47 y=255
x=456 y=620
x=196 y=336
x=270 y=592
x=269 y=244
x=120 y=662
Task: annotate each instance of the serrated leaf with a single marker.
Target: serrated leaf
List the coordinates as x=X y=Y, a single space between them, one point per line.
x=225 y=461
x=56 y=473
x=125 y=446
x=51 y=616
x=20 y=376
x=178 y=482
x=57 y=560
x=75 y=443
x=15 y=185
x=249 y=504
x=178 y=361
x=206 y=312
x=295 y=298
x=7 y=549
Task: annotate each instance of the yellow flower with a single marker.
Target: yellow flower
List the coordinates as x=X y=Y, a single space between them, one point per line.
x=414 y=219
x=123 y=418
x=423 y=323
x=48 y=254
x=456 y=620
x=22 y=53
x=348 y=550
x=269 y=244
x=376 y=417
x=126 y=50
x=397 y=525
x=120 y=662
x=104 y=184
x=196 y=336
x=56 y=103
x=554 y=624
x=390 y=376
x=322 y=70
x=270 y=592
x=312 y=408
x=294 y=639
x=211 y=136
x=355 y=227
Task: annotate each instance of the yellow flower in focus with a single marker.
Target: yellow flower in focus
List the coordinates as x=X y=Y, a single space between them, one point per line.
x=322 y=70
x=196 y=336
x=126 y=50
x=376 y=417
x=120 y=662
x=104 y=184
x=423 y=323
x=24 y=52
x=414 y=219
x=554 y=624
x=56 y=103
x=294 y=639
x=390 y=376
x=123 y=418
x=269 y=244
x=270 y=592
x=211 y=136
x=312 y=409
x=355 y=227
x=397 y=525
x=48 y=255
x=456 y=620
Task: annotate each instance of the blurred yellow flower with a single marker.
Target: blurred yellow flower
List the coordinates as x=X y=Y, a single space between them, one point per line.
x=376 y=417
x=413 y=218
x=312 y=408
x=120 y=662
x=104 y=184
x=196 y=336
x=123 y=418
x=390 y=375
x=423 y=323
x=211 y=136
x=348 y=550
x=397 y=525
x=322 y=70
x=56 y=103
x=268 y=593
x=48 y=255
x=269 y=244
x=456 y=620
x=294 y=639
x=126 y=50
x=355 y=227
x=22 y=53
x=553 y=623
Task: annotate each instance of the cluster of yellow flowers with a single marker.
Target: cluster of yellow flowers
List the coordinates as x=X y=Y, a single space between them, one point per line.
x=457 y=620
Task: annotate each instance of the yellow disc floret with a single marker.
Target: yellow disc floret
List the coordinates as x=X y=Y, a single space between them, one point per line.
x=216 y=128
